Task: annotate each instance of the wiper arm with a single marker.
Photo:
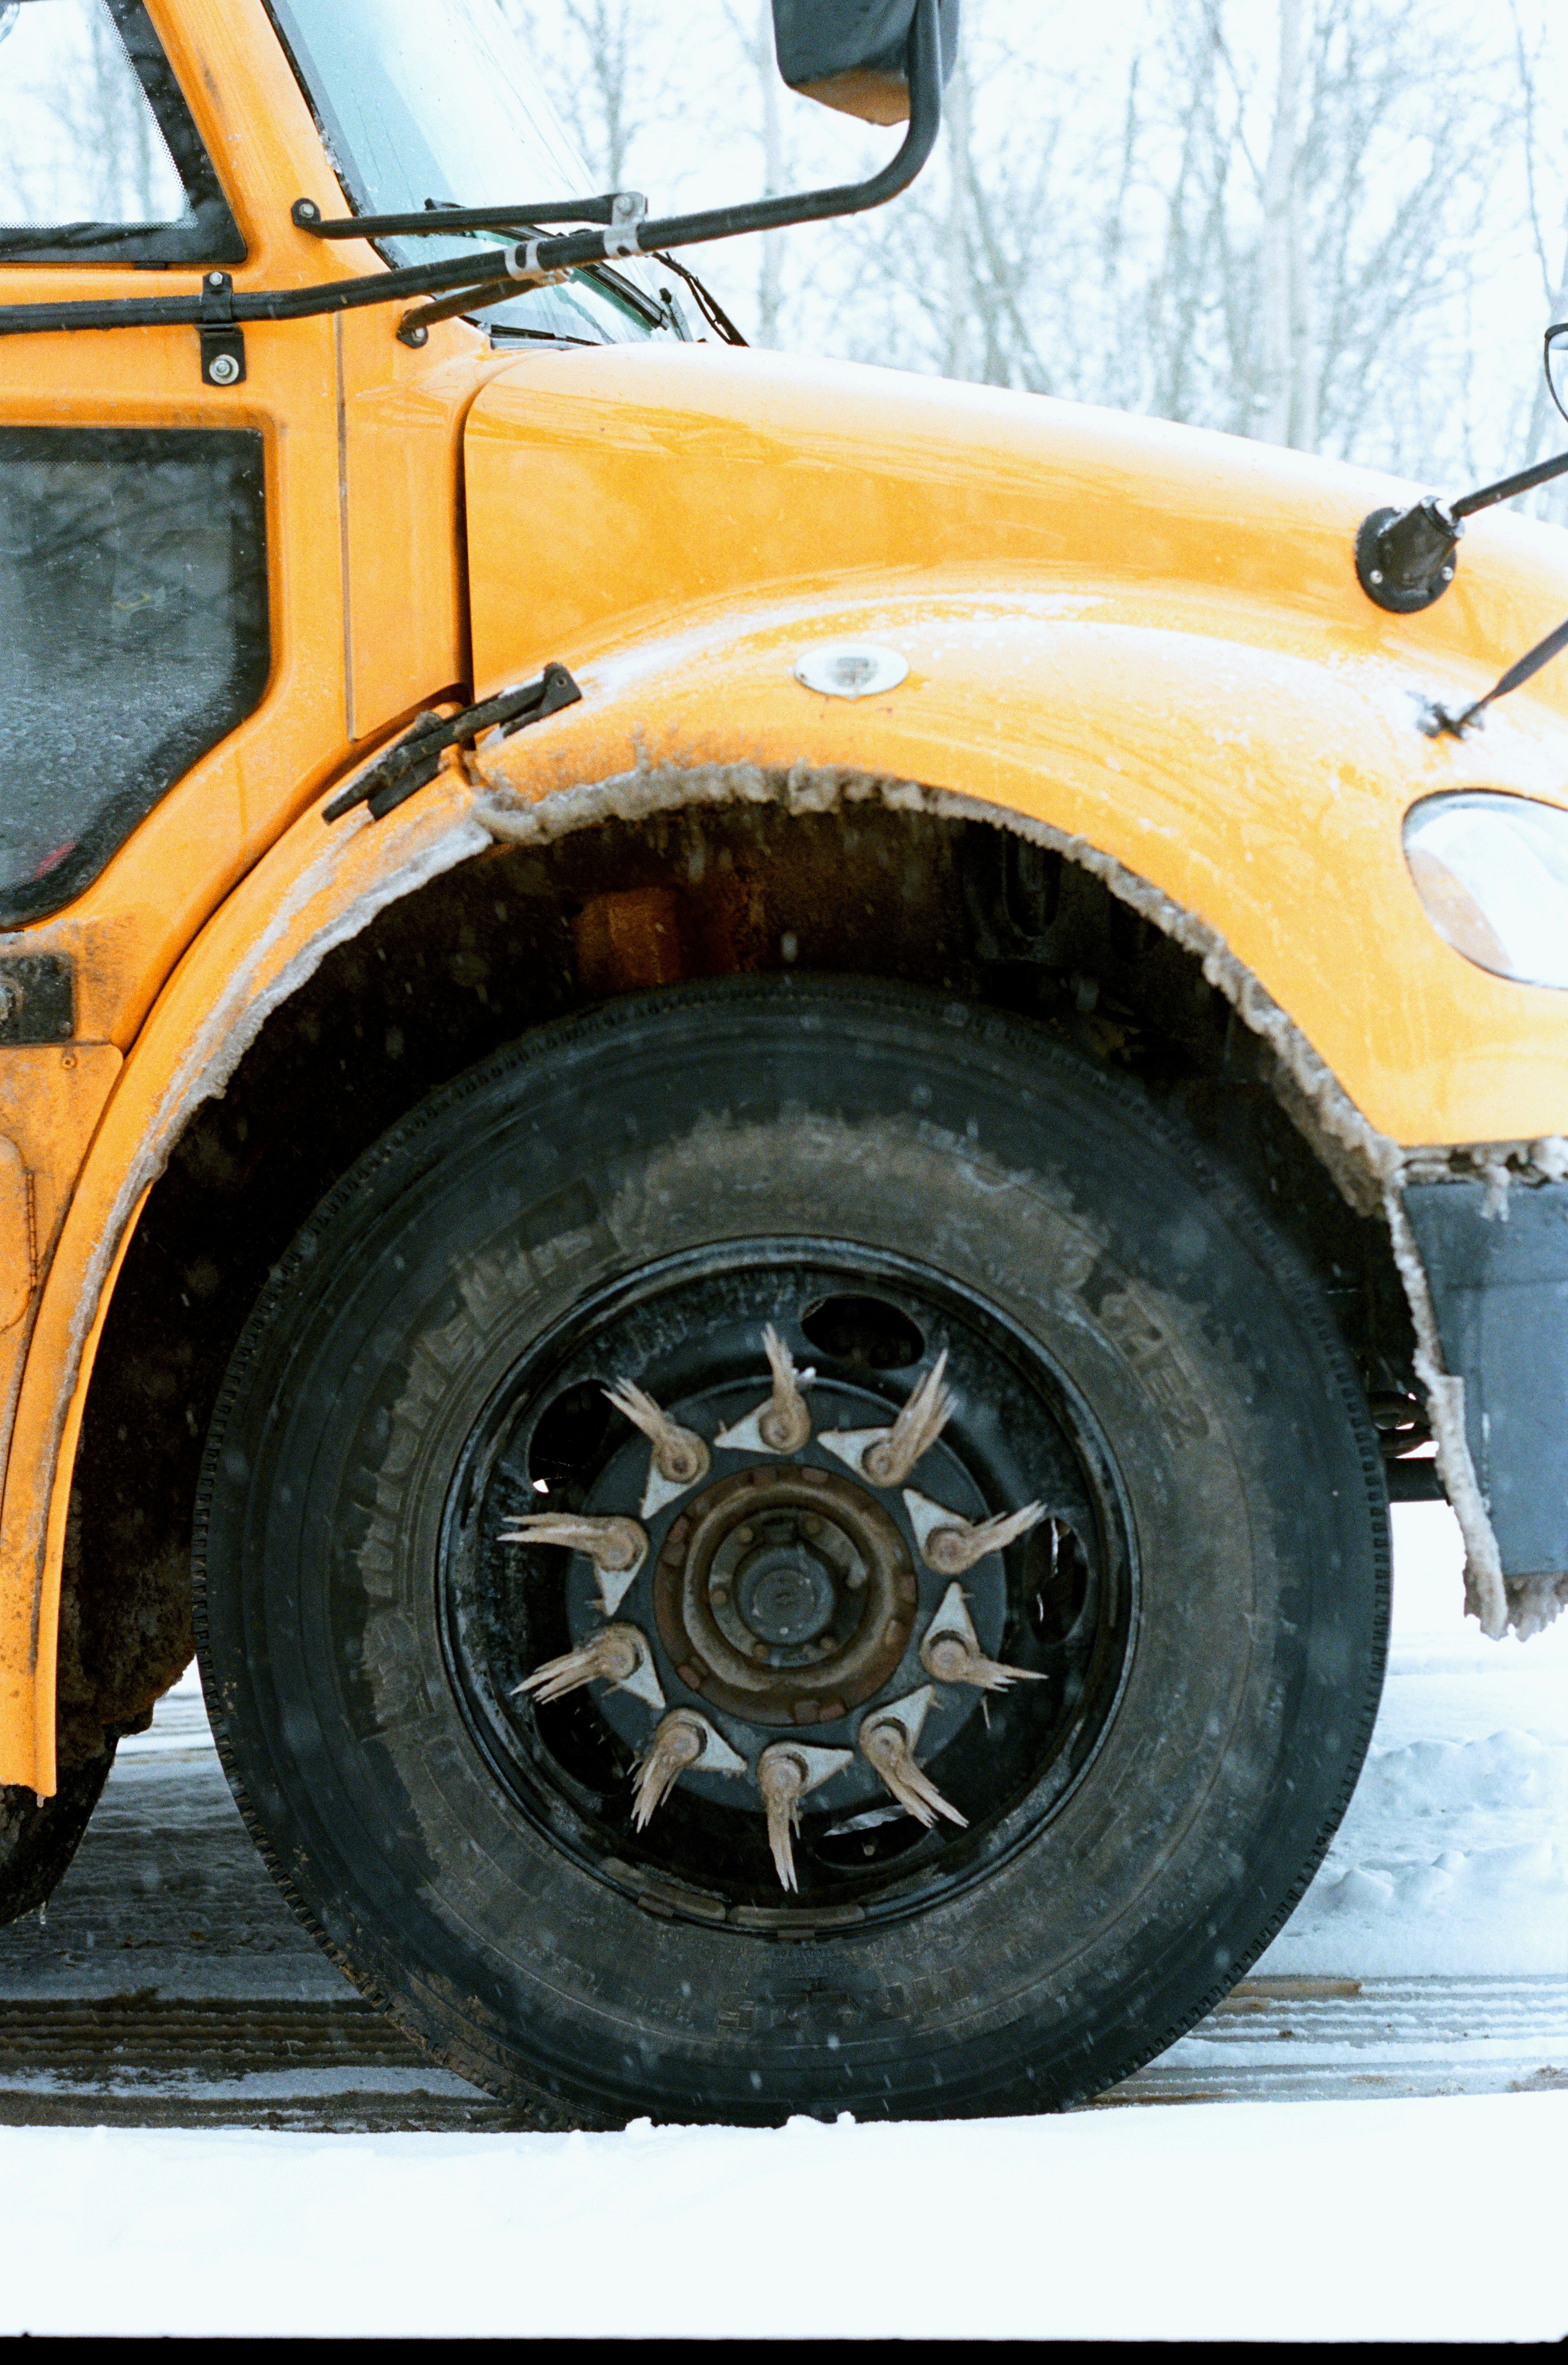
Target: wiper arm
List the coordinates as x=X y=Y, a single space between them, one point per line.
x=528 y=261
x=707 y=303
x=625 y=210
x=415 y=327
x=1438 y=722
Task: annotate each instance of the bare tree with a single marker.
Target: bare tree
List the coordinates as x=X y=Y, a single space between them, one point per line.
x=1282 y=218
x=604 y=62
x=1546 y=189
x=1289 y=411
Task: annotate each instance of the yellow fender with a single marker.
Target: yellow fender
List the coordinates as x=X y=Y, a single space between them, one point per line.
x=1240 y=768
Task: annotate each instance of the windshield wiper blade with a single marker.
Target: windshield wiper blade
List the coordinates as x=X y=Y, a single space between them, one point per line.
x=528 y=263
x=707 y=303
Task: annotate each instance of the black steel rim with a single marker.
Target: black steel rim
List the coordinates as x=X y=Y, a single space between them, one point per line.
x=1060 y=1602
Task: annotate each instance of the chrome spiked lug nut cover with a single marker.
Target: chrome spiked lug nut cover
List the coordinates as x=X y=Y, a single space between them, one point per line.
x=887 y=1456
x=950 y=1544
x=617 y=1547
x=783 y=1424
x=618 y=1655
x=888 y=1739
x=786 y=1773
x=682 y=1740
x=950 y=1650
x=679 y=1459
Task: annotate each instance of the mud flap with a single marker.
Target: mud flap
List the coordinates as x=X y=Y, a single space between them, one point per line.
x=1499 y=1285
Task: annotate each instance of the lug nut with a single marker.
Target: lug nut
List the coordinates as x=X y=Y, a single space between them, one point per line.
x=888 y=1460
x=683 y=1739
x=951 y=1650
x=952 y=1549
x=886 y=1746
x=618 y=1655
x=680 y=1456
x=783 y=1423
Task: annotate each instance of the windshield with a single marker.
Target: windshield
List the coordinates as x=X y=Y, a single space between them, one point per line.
x=431 y=103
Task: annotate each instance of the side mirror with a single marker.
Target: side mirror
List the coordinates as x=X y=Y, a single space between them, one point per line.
x=1557 y=366
x=854 y=54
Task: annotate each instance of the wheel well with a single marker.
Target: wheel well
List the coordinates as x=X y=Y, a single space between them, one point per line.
x=525 y=934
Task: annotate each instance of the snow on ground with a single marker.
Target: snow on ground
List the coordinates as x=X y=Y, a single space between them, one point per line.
x=1317 y=2220
x=1453 y=1857
x=1403 y=2220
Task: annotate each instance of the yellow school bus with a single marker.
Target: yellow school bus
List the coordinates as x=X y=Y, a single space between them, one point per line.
x=750 y=1109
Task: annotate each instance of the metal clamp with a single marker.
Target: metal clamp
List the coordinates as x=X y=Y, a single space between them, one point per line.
x=628 y=211
x=222 y=338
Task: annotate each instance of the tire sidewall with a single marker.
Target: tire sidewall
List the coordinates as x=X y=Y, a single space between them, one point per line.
x=1195 y=1339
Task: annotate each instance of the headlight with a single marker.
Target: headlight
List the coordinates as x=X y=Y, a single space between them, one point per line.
x=1492 y=872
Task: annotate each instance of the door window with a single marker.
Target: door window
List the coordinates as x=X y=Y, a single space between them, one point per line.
x=99 y=158
x=133 y=635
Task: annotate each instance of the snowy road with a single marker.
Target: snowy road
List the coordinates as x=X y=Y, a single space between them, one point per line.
x=170 y=1986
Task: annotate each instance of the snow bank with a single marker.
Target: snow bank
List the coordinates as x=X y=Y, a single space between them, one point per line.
x=1314 y=2221
x=1453 y=1857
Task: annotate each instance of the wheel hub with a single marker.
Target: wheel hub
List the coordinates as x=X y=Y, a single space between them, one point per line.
x=785 y=1595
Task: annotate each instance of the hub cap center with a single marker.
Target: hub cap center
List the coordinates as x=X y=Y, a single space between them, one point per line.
x=785 y=1592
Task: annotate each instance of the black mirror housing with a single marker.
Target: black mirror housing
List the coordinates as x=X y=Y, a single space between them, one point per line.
x=853 y=54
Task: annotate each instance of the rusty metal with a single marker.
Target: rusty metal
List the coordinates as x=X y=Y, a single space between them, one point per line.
x=887 y=1742
x=786 y=1773
x=629 y=940
x=950 y=1650
x=618 y=1655
x=616 y=1547
x=786 y=1595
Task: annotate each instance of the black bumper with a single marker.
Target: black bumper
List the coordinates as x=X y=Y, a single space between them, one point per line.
x=1500 y=1292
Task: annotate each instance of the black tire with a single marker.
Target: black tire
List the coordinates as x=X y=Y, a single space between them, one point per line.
x=40 y=1837
x=357 y=1630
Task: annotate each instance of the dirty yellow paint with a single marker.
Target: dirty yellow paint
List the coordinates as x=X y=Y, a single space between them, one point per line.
x=19 y=1257
x=1143 y=636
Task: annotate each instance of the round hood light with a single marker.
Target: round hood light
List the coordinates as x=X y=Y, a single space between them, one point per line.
x=1491 y=873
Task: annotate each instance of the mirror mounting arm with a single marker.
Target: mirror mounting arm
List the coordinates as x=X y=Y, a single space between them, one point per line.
x=1406 y=558
x=627 y=231
x=635 y=234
